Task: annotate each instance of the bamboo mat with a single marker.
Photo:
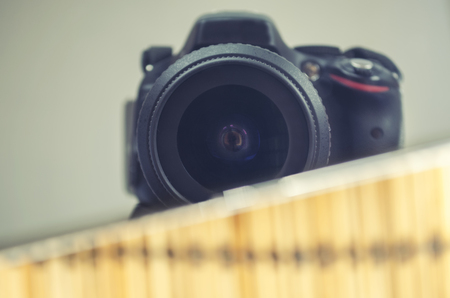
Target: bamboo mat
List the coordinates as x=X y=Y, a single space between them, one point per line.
x=376 y=227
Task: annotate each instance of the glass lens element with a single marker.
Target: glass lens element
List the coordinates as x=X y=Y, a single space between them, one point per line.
x=231 y=136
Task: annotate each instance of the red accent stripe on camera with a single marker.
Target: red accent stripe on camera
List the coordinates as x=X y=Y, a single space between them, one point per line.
x=359 y=86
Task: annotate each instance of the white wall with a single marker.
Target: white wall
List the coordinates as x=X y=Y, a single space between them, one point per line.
x=66 y=68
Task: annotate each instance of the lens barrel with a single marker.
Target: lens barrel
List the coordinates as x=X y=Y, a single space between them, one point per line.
x=226 y=116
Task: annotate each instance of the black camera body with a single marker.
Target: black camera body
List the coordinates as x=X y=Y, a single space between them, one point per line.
x=237 y=106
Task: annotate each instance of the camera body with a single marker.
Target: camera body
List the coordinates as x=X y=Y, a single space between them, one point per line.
x=276 y=110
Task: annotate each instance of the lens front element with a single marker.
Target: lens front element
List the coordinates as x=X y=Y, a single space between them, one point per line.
x=232 y=135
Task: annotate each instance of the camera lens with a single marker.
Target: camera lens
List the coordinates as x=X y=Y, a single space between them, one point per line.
x=226 y=116
x=232 y=135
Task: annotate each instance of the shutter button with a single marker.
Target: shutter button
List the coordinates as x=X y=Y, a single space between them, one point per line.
x=362 y=67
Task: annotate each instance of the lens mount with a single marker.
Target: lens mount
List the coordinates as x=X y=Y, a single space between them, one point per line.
x=225 y=116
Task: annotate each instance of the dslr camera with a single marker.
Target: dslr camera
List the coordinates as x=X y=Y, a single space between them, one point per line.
x=237 y=106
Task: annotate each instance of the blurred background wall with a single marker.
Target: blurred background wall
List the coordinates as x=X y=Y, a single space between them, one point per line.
x=67 y=67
